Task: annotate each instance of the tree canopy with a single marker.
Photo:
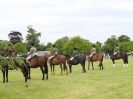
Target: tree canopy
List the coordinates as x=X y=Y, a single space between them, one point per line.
x=15 y=37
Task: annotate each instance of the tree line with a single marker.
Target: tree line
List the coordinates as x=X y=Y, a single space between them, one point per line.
x=64 y=44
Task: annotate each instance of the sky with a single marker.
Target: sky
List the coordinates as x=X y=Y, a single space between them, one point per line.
x=95 y=20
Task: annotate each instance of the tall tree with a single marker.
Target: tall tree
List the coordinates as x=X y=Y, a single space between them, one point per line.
x=15 y=37
x=32 y=36
x=123 y=38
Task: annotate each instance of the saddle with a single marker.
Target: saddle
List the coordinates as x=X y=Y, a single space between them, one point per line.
x=93 y=55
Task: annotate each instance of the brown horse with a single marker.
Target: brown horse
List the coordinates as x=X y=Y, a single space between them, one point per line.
x=95 y=57
x=58 y=60
x=39 y=61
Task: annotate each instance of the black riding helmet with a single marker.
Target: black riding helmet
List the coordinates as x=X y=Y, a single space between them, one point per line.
x=54 y=45
x=93 y=45
x=32 y=44
x=75 y=48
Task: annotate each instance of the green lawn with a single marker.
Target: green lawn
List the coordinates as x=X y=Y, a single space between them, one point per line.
x=110 y=83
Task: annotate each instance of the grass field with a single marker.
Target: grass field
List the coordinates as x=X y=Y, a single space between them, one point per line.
x=110 y=83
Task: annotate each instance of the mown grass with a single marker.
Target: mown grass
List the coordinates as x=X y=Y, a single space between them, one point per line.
x=110 y=83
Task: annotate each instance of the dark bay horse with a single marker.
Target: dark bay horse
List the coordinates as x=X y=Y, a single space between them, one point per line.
x=121 y=55
x=58 y=60
x=94 y=58
x=80 y=59
x=39 y=61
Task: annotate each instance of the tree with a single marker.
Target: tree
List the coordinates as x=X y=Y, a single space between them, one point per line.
x=20 y=48
x=41 y=47
x=15 y=37
x=126 y=46
x=78 y=42
x=3 y=45
x=123 y=38
x=98 y=46
x=106 y=47
x=49 y=46
x=32 y=37
x=112 y=41
x=60 y=44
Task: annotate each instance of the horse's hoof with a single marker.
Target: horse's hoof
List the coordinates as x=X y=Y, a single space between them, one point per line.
x=26 y=85
x=29 y=78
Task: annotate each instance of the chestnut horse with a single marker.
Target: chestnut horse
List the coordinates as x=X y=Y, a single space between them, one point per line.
x=58 y=60
x=39 y=61
x=95 y=57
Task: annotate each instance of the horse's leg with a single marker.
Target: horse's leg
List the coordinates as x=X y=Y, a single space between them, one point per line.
x=7 y=74
x=61 y=68
x=102 y=65
x=42 y=72
x=46 y=71
x=65 y=67
x=92 y=66
x=88 y=64
x=83 y=67
x=29 y=77
x=113 y=62
x=25 y=80
x=70 y=68
x=3 y=71
x=53 y=69
x=25 y=73
x=127 y=60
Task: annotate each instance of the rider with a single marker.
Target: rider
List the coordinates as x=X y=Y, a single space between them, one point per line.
x=54 y=52
x=33 y=52
x=93 y=51
x=74 y=54
x=117 y=49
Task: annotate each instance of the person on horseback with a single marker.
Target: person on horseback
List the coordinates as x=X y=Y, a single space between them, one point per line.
x=93 y=51
x=54 y=52
x=74 y=54
x=33 y=52
x=117 y=49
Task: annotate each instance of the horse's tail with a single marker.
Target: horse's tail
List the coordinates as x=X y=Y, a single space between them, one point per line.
x=101 y=59
x=64 y=64
x=45 y=65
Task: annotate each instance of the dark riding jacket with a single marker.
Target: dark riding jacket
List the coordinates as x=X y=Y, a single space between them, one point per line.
x=75 y=53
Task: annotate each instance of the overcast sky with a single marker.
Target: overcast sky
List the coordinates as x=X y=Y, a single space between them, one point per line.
x=95 y=20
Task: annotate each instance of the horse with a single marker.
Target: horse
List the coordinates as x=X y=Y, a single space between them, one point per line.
x=94 y=58
x=58 y=60
x=80 y=59
x=39 y=61
x=121 y=55
x=6 y=66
